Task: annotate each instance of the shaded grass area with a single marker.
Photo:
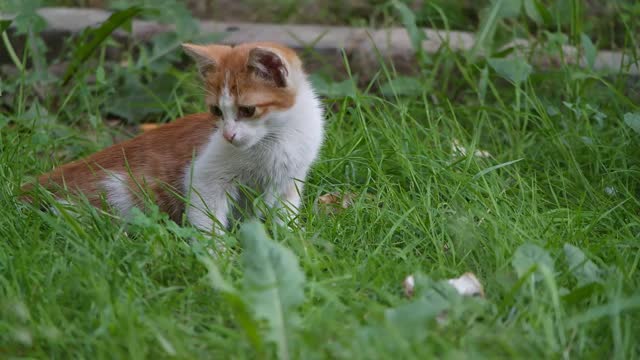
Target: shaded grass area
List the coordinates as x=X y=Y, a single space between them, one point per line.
x=561 y=180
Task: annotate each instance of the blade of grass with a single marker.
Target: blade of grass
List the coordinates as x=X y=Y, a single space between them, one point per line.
x=4 y=25
x=97 y=37
x=495 y=167
x=488 y=28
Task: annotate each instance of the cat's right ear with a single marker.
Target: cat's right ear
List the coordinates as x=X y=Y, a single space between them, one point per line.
x=205 y=56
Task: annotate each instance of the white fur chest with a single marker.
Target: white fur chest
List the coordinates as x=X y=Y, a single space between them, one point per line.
x=279 y=160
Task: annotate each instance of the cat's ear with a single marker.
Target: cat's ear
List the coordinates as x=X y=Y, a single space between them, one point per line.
x=269 y=66
x=205 y=56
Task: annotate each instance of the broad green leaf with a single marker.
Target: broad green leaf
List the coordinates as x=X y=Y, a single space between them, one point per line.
x=402 y=85
x=412 y=320
x=436 y=292
x=273 y=285
x=584 y=270
x=529 y=255
x=590 y=51
x=231 y=295
x=96 y=37
x=633 y=121
x=516 y=70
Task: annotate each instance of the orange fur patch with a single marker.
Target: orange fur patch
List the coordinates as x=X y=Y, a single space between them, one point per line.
x=157 y=159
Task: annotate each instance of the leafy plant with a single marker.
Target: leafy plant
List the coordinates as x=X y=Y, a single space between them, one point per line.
x=272 y=289
x=585 y=271
x=530 y=256
x=516 y=70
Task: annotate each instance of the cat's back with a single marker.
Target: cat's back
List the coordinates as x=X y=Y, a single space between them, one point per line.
x=159 y=155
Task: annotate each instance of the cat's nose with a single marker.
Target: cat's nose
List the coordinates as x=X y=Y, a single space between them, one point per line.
x=229 y=136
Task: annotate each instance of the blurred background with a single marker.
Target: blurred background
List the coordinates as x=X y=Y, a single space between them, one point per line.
x=605 y=18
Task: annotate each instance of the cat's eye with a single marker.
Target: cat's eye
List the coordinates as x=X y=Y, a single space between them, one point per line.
x=215 y=110
x=246 y=111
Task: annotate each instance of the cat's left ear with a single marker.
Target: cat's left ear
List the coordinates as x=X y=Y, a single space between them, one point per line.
x=206 y=56
x=268 y=65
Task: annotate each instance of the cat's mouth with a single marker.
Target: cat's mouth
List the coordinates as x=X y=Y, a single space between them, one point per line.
x=240 y=143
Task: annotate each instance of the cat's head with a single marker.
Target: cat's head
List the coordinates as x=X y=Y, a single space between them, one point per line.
x=247 y=87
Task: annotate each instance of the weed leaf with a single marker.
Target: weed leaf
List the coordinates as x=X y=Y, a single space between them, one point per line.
x=584 y=270
x=529 y=255
x=411 y=320
x=633 y=121
x=96 y=37
x=273 y=284
x=590 y=50
x=231 y=295
x=516 y=70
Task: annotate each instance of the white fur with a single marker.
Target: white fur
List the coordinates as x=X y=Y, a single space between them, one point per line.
x=271 y=155
x=118 y=192
x=64 y=203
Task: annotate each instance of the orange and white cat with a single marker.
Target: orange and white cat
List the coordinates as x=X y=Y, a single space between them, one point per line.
x=264 y=129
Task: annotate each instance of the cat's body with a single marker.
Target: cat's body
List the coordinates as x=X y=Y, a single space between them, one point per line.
x=264 y=131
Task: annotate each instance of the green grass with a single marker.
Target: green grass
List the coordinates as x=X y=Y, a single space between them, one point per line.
x=564 y=169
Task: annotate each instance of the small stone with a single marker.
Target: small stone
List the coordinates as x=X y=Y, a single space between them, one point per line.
x=467 y=285
x=409 y=284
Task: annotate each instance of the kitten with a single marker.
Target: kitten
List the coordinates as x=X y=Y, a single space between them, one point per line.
x=264 y=129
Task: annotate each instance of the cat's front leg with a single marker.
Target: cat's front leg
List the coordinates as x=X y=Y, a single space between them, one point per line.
x=205 y=206
x=286 y=204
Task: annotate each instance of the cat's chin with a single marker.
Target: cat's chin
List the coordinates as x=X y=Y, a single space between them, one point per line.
x=243 y=145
